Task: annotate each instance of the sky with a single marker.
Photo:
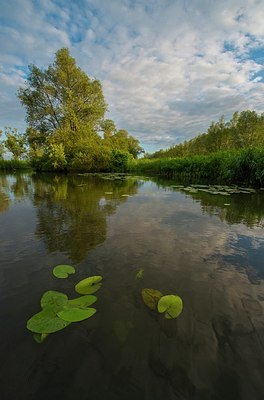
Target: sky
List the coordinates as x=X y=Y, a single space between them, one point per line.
x=168 y=67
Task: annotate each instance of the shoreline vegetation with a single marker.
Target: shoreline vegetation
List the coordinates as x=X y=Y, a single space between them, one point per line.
x=244 y=167
x=67 y=132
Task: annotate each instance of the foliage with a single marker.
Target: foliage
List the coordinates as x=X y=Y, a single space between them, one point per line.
x=65 y=113
x=63 y=271
x=10 y=165
x=245 y=167
x=15 y=143
x=89 y=285
x=151 y=297
x=58 y=311
x=171 y=305
x=244 y=130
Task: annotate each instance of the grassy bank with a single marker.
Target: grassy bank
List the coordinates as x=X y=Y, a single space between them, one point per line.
x=245 y=167
x=10 y=165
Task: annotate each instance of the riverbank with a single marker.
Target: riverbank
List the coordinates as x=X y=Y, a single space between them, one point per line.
x=244 y=167
x=9 y=165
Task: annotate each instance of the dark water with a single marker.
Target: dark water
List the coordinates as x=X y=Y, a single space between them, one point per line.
x=192 y=245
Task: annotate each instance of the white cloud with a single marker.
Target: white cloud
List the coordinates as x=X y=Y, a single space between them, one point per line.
x=168 y=68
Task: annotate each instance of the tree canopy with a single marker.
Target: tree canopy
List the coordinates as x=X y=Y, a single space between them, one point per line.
x=245 y=129
x=65 y=111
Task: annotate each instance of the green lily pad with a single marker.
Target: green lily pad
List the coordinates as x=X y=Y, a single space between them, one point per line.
x=53 y=301
x=89 y=285
x=82 y=302
x=46 y=321
x=108 y=192
x=40 y=337
x=72 y=314
x=151 y=297
x=63 y=271
x=172 y=306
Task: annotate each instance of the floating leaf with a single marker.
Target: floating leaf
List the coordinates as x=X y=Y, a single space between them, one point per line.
x=226 y=204
x=151 y=297
x=124 y=195
x=89 y=285
x=108 y=192
x=172 y=306
x=63 y=271
x=72 y=314
x=140 y=273
x=82 y=302
x=53 y=301
x=40 y=337
x=46 y=321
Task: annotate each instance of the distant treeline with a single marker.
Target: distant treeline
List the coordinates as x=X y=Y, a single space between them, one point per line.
x=244 y=130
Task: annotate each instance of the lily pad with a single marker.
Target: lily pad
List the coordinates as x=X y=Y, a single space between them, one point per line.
x=46 y=321
x=89 y=285
x=172 y=306
x=72 y=314
x=53 y=301
x=63 y=271
x=82 y=302
x=40 y=337
x=151 y=297
x=108 y=192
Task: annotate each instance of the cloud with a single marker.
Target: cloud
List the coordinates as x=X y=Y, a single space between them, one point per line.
x=167 y=68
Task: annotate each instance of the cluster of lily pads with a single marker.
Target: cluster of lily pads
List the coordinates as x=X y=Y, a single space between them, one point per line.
x=215 y=189
x=58 y=311
x=170 y=305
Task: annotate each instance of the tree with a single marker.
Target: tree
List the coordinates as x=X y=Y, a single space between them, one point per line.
x=15 y=142
x=61 y=97
x=65 y=113
x=2 y=150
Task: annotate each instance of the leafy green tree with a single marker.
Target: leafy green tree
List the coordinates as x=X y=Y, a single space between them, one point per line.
x=2 y=150
x=15 y=143
x=62 y=96
x=65 y=113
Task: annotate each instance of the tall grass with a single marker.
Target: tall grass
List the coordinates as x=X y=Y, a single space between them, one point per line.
x=244 y=167
x=10 y=165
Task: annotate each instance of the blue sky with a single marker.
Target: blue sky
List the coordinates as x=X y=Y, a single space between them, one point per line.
x=168 y=67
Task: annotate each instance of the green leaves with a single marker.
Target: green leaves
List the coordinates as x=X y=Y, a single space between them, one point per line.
x=58 y=311
x=83 y=301
x=171 y=305
x=46 y=321
x=140 y=273
x=53 y=300
x=63 y=271
x=151 y=298
x=76 y=314
x=89 y=285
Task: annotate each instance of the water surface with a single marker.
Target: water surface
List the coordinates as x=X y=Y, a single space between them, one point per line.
x=192 y=245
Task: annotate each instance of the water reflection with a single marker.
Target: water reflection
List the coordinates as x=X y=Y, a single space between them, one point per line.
x=186 y=244
x=72 y=211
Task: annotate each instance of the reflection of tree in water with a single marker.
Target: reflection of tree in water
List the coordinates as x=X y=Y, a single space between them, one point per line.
x=19 y=185
x=72 y=211
x=243 y=208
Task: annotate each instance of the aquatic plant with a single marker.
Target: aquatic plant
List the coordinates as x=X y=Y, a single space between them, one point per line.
x=63 y=271
x=171 y=305
x=89 y=285
x=58 y=311
x=140 y=273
